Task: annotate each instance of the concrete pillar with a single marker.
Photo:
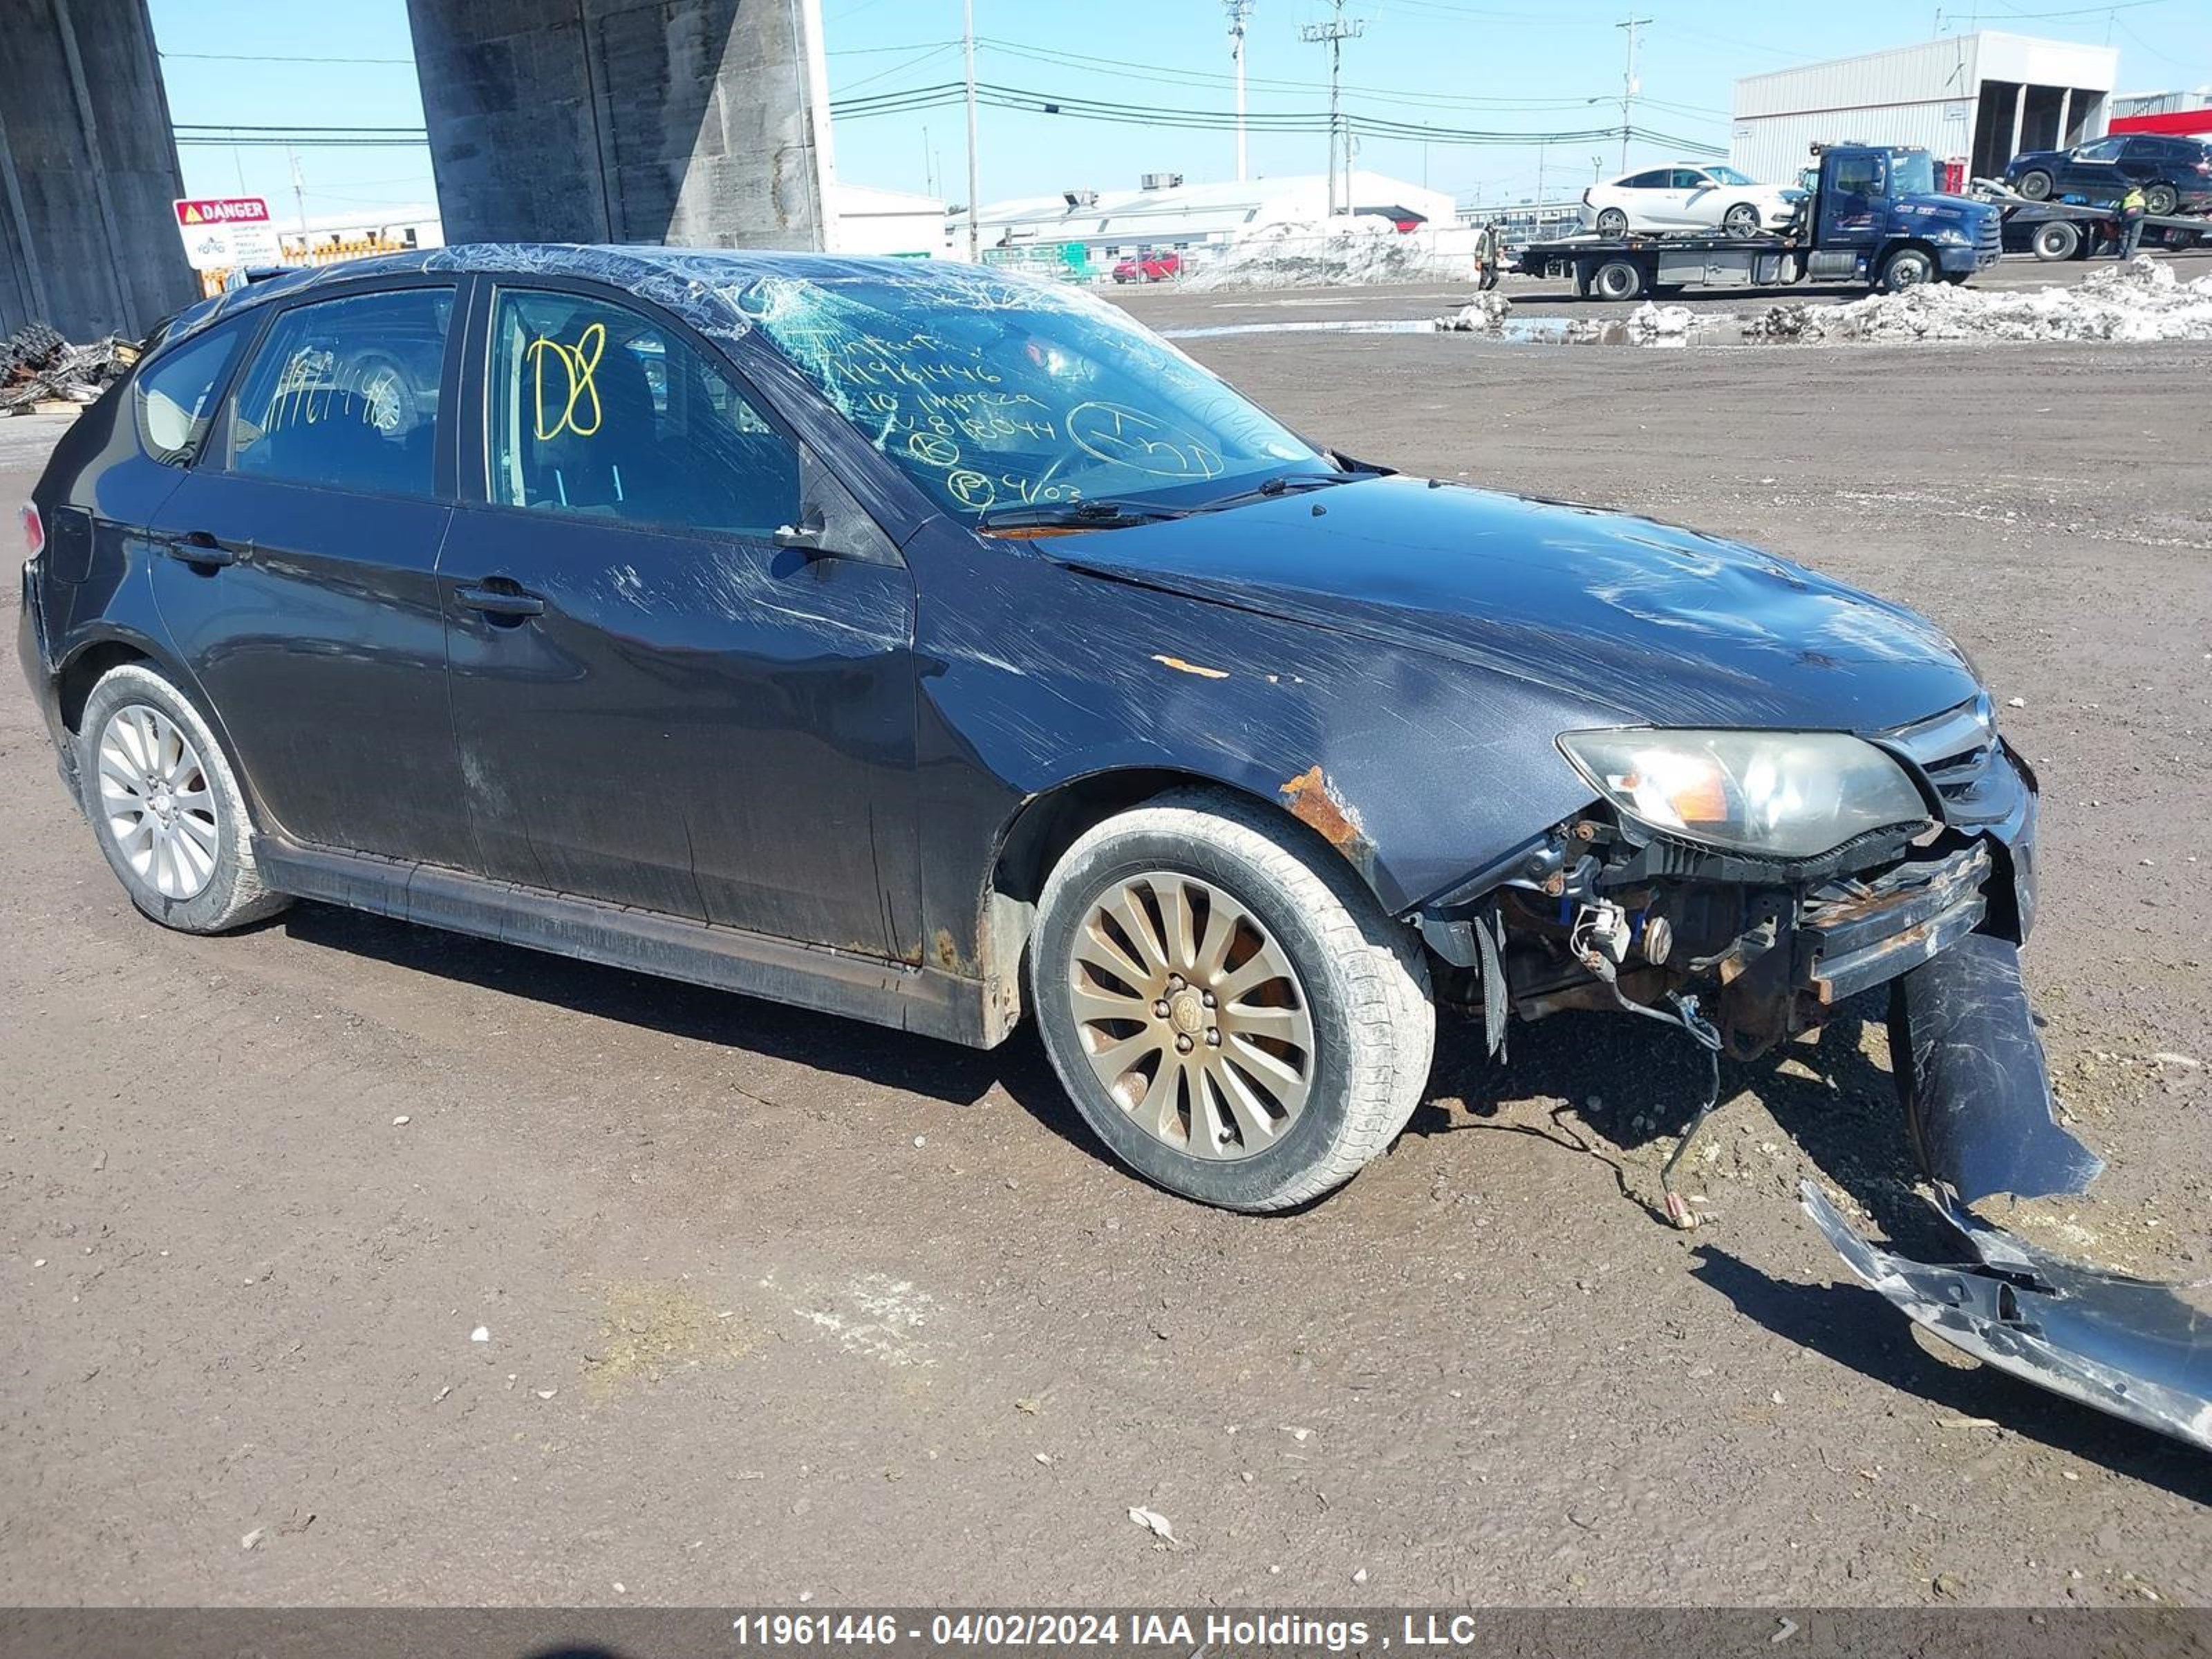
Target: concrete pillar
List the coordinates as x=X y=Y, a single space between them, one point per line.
x=2019 y=118
x=690 y=122
x=88 y=171
x=2065 y=139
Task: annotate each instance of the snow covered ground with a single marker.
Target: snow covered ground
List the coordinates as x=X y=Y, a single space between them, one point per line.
x=2141 y=301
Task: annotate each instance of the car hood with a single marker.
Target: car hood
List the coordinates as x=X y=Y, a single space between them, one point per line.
x=1660 y=624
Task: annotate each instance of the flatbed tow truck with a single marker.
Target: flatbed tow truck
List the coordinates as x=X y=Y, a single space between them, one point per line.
x=1873 y=217
x=2055 y=228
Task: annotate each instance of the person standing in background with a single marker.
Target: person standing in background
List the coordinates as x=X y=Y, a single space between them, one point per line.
x=2132 y=208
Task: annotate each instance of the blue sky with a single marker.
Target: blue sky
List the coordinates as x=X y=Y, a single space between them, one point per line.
x=1548 y=64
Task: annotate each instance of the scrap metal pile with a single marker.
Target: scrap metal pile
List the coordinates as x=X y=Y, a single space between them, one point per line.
x=38 y=365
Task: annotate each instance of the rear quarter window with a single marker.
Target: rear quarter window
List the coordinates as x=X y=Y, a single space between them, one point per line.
x=172 y=399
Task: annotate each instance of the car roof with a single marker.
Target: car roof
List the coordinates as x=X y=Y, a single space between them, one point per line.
x=720 y=291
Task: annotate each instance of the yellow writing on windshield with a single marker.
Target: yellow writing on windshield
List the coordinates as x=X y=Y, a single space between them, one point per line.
x=579 y=363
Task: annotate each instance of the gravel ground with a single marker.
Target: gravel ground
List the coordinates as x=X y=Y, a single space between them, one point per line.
x=777 y=1304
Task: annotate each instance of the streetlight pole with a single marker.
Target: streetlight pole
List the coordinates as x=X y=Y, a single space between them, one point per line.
x=1333 y=34
x=1632 y=23
x=1240 y=13
x=967 y=46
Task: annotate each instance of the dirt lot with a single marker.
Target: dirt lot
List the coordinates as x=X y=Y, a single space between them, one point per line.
x=780 y=1305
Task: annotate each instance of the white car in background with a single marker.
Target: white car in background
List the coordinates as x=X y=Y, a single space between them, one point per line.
x=1683 y=197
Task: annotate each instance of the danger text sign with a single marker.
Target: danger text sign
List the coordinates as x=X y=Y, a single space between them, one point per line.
x=222 y=210
x=222 y=232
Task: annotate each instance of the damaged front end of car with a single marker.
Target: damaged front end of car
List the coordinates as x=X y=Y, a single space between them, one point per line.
x=1742 y=887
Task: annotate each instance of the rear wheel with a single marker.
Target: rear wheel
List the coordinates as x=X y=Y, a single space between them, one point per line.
x=2035 y=185
x=165 y=807
x=1909 y=267
x=1612 y=221
x=1228 y=1008
x=2161 y=199
x=1741 y=220
x=1617 y=279
x=2057 y=240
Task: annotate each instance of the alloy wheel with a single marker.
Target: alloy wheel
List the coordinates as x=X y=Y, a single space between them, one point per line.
x=1192 y=1015
x=156 y=797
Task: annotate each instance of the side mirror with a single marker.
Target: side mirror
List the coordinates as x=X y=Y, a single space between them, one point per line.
x=803 y=538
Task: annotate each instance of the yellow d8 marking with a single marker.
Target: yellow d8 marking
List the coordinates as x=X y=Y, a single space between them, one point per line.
x=578 y=362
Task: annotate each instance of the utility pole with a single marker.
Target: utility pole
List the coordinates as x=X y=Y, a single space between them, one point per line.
x=967 y=46
x=1333 y=34
x=299 y=192
x=1632 y=23
x=1240 y=14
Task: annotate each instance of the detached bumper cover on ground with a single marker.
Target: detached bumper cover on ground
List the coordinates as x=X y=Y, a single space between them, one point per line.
x=1979 y=1099
x=2124 y=1345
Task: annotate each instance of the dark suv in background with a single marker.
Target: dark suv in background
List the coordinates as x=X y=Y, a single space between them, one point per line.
x=2175 y=173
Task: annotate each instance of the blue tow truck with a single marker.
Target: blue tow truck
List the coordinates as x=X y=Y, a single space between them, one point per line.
x=1872 y=216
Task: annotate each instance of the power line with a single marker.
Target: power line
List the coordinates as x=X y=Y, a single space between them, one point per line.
x=999 y=96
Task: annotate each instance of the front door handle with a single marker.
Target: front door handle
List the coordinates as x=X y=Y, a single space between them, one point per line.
x=199 y=548
x=504 y=600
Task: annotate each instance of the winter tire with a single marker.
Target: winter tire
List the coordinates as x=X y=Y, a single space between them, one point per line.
x=165 y=807
x=1229 y=1008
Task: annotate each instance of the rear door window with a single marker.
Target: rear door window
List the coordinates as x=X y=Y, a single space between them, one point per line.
x=343 y=393
x=1656 y=180
x=600 y=411
x=173 y=397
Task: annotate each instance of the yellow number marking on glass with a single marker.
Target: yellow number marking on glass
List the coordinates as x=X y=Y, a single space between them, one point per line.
x=579 y=363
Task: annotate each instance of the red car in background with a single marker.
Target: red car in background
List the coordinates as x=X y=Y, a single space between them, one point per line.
x=1149 y=267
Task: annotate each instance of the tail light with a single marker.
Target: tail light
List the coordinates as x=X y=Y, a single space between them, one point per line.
x=35 y=531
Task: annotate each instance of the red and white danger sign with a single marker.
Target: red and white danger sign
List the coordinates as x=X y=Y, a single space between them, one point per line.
x=222 y=233
x=222 y=210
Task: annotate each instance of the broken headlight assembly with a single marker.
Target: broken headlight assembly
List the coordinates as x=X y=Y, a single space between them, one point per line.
x=1776 y=794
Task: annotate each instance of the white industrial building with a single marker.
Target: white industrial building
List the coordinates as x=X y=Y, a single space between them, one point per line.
x=1977 y=99
x=894 y=221
x=1164 y=213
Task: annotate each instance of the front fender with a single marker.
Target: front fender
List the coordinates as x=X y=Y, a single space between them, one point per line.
x=1416 y=768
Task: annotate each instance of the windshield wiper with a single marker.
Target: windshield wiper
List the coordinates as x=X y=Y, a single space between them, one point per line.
x=1282 y=486
x=1098 y=514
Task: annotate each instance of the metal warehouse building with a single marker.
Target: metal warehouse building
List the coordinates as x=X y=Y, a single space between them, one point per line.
x=1977 y=99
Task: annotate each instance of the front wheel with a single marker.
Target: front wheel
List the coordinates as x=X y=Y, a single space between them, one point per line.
x=2161 y=199
x=1742 y=219
x=165 y=807
x=1229 y=1008
x=2035 y=185
x=1909 y=267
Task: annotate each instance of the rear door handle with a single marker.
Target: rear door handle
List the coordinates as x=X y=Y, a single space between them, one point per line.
x=197 y=547
x=503 y=601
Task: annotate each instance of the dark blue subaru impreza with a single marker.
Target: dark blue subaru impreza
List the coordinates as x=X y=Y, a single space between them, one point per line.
x=938 y=648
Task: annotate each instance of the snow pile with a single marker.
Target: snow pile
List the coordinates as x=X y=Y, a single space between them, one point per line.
x=1657 y=325
x=1334 y=253
x=1486 y=314
x=2141 y=300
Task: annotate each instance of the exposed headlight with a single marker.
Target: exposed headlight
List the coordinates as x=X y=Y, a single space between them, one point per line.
x=1786 y=794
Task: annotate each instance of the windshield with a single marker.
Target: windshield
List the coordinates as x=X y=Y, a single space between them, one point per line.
x=994 y=394
x=1729 y=176
x=1912 y=173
